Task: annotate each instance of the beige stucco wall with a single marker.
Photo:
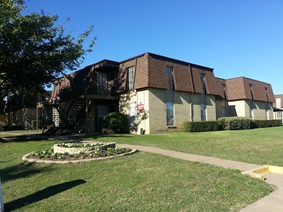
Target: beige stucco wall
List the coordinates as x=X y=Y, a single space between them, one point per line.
x=210 y=107
x=260 y=111
x=157 y=110
x=153 y=118
x=182 y=107
x=243 y=109
x=137 y=97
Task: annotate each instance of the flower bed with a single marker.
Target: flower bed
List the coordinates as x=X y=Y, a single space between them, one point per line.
x=77 y=152
x=77 y=148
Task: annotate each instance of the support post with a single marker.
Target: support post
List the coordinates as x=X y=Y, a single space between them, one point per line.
x=1 y=198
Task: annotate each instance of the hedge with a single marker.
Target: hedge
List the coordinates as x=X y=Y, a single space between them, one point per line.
x=229 y=123
x=266 y=123
x=201 y=126
x=236 y=123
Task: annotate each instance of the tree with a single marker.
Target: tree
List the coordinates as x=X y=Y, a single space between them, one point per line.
x=34 y=51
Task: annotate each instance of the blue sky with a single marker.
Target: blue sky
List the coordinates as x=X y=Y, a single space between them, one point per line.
x=235 y=37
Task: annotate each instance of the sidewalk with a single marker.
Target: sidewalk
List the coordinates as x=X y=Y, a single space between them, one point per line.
x=273 y=202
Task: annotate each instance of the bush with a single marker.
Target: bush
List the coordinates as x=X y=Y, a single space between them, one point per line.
x=117 y=122
x=236 y=123
x=229 y=123
x=13 y=127
x=266 y=123
x=201 y=126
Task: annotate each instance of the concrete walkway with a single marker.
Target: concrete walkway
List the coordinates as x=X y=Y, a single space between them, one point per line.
x=271 y=203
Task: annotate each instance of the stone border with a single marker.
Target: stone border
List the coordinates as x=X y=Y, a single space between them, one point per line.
x=77 y=150
x=75 y=160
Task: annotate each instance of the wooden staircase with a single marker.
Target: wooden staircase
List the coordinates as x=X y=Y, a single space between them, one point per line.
x=74 y=113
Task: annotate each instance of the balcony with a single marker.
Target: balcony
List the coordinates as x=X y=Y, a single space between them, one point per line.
x=102 y=91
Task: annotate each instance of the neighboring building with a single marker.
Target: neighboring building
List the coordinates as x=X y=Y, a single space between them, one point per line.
x=157 y=93
x=250 y=98
x=21 y=113
x=278 y=106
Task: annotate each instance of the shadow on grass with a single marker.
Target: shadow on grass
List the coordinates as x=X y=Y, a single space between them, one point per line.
x=64 y=138
x=21 y=170
x=43 y=137
x=42 y=194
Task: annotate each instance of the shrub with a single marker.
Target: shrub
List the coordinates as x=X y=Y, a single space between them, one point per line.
x=229 y=123
x=201 y=126
x=117 y=122
x=236 y=123
x=13 y=127
x=266 y=123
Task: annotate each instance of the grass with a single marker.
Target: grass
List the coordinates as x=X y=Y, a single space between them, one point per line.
x=142 y=181
x=257 y=146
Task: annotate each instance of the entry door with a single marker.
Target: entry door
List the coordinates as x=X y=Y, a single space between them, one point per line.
x=102 y=110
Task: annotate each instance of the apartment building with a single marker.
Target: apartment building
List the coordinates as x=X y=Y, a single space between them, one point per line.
x=158 y=94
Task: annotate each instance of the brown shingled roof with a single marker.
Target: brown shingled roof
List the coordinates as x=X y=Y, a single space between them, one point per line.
x=239 y=88
x=221 y=85
x=150 y=72
x=76 y=83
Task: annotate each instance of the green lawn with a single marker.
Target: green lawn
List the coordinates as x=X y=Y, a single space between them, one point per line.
x=142 y=181
x=258 y=146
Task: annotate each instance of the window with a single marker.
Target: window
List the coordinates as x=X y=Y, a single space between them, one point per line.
x=170 y=97
x=203 y=97
x=225 y=102
x=170 y=113
x=267 y=114
x=252 y=102
x=252 y=109
x=131 y=77
x=102 y=83
x=203 y=82
x=203 y=112
x=169 y=72
x=267 y=108
x=278 y=115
